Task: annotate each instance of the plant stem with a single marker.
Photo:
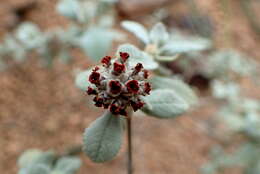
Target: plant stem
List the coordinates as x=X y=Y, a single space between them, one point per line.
x=129 y=148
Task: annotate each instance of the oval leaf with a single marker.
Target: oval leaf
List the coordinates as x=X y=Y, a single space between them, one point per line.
x=164 y=103
x=81 y=80
x=137 y=29
x=159 y=34
x=177 y=85
x=103 y=138
x=67 y=165
x=96 y=42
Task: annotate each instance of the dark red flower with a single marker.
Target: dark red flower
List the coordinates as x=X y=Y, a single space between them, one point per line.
x=124 y=56
x=114 y=109
x=115 y=87
x=95 y=69
x=147 y=88
x=146 y=74
x=132 y=86
x=91 y=91
x=118 y=68
x=98 y=101
x=138 y=67
x=94 y=77
x=106 y=60
x=137 y=105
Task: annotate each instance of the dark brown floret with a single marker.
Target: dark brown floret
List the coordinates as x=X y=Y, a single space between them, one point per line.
x=146 y=74
x=114 y=109
x=124 y=56
x=115 y=87
x=118 y=68
x=106 y=60
x=98 y=101
x=91 y=91
x=132 y=86
x=94 y=77
x=147 y=88
x=137 y=105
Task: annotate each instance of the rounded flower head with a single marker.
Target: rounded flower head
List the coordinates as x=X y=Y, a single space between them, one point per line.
x=117 y=86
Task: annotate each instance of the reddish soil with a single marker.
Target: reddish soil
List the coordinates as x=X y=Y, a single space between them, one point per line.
x=41 y=108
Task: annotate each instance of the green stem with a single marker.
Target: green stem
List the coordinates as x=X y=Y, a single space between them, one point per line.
x=129 y=143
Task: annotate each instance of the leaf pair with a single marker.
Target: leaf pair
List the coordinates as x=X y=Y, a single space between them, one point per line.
x=37 y=162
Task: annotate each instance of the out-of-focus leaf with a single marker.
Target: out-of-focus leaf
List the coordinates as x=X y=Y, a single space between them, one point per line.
x=159 y=34
x=164 y=103
x=137 y=56
x=68 y=8
x=29 y=157
x=35 y=169
x=223 y=91
x=179 y=45
x=178 y=86
x=103 y=138
x=96 y=42
x=167 y=58
x=81 y=80
x=137 y=29
x=67 y=165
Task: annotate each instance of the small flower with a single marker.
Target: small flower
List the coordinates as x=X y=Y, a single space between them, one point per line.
x=146 y=74
x=118 y=68
x=91 y=91
x=117 y=86
x=147 y=88
x=132 y=86
x=124 y=56
x=94 y=77
x=137 y=105
x=106 y=61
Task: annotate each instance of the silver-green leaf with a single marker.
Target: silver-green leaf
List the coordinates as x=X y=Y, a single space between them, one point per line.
x=103 y=138
x=137 y=29
x=67 y=165
x=96 y=42
x=164 y=103
x=177 y=85
x=81 y=80
x=159 y=34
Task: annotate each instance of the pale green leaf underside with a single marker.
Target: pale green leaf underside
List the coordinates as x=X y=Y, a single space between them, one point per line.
x=28 y=157
x=137 y=56
x=96 y=42
x=164 y=103
x=102 y=139
x=81 y=80
x=182 y=45
x=35 y=169
x=67 y=165
x=159 y=34
x=137 y=29
x=177 y=85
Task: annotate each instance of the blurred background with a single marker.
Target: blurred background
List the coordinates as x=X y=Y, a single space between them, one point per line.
x=40 y=107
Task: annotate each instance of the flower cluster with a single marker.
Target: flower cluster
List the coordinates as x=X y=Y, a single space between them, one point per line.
x=116 y=85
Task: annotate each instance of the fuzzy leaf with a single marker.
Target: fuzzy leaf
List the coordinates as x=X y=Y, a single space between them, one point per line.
x=67 y=165
x=159 y=34
x=177 y=85
x=164 y=103
x=96 y=42
x=167 y=58
x=184 y=45
x=35 y=169
x=28 y=157
x=68 y=8
x=137 y=29
x=103 y=138
x=138 y=56
x=81 y=80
